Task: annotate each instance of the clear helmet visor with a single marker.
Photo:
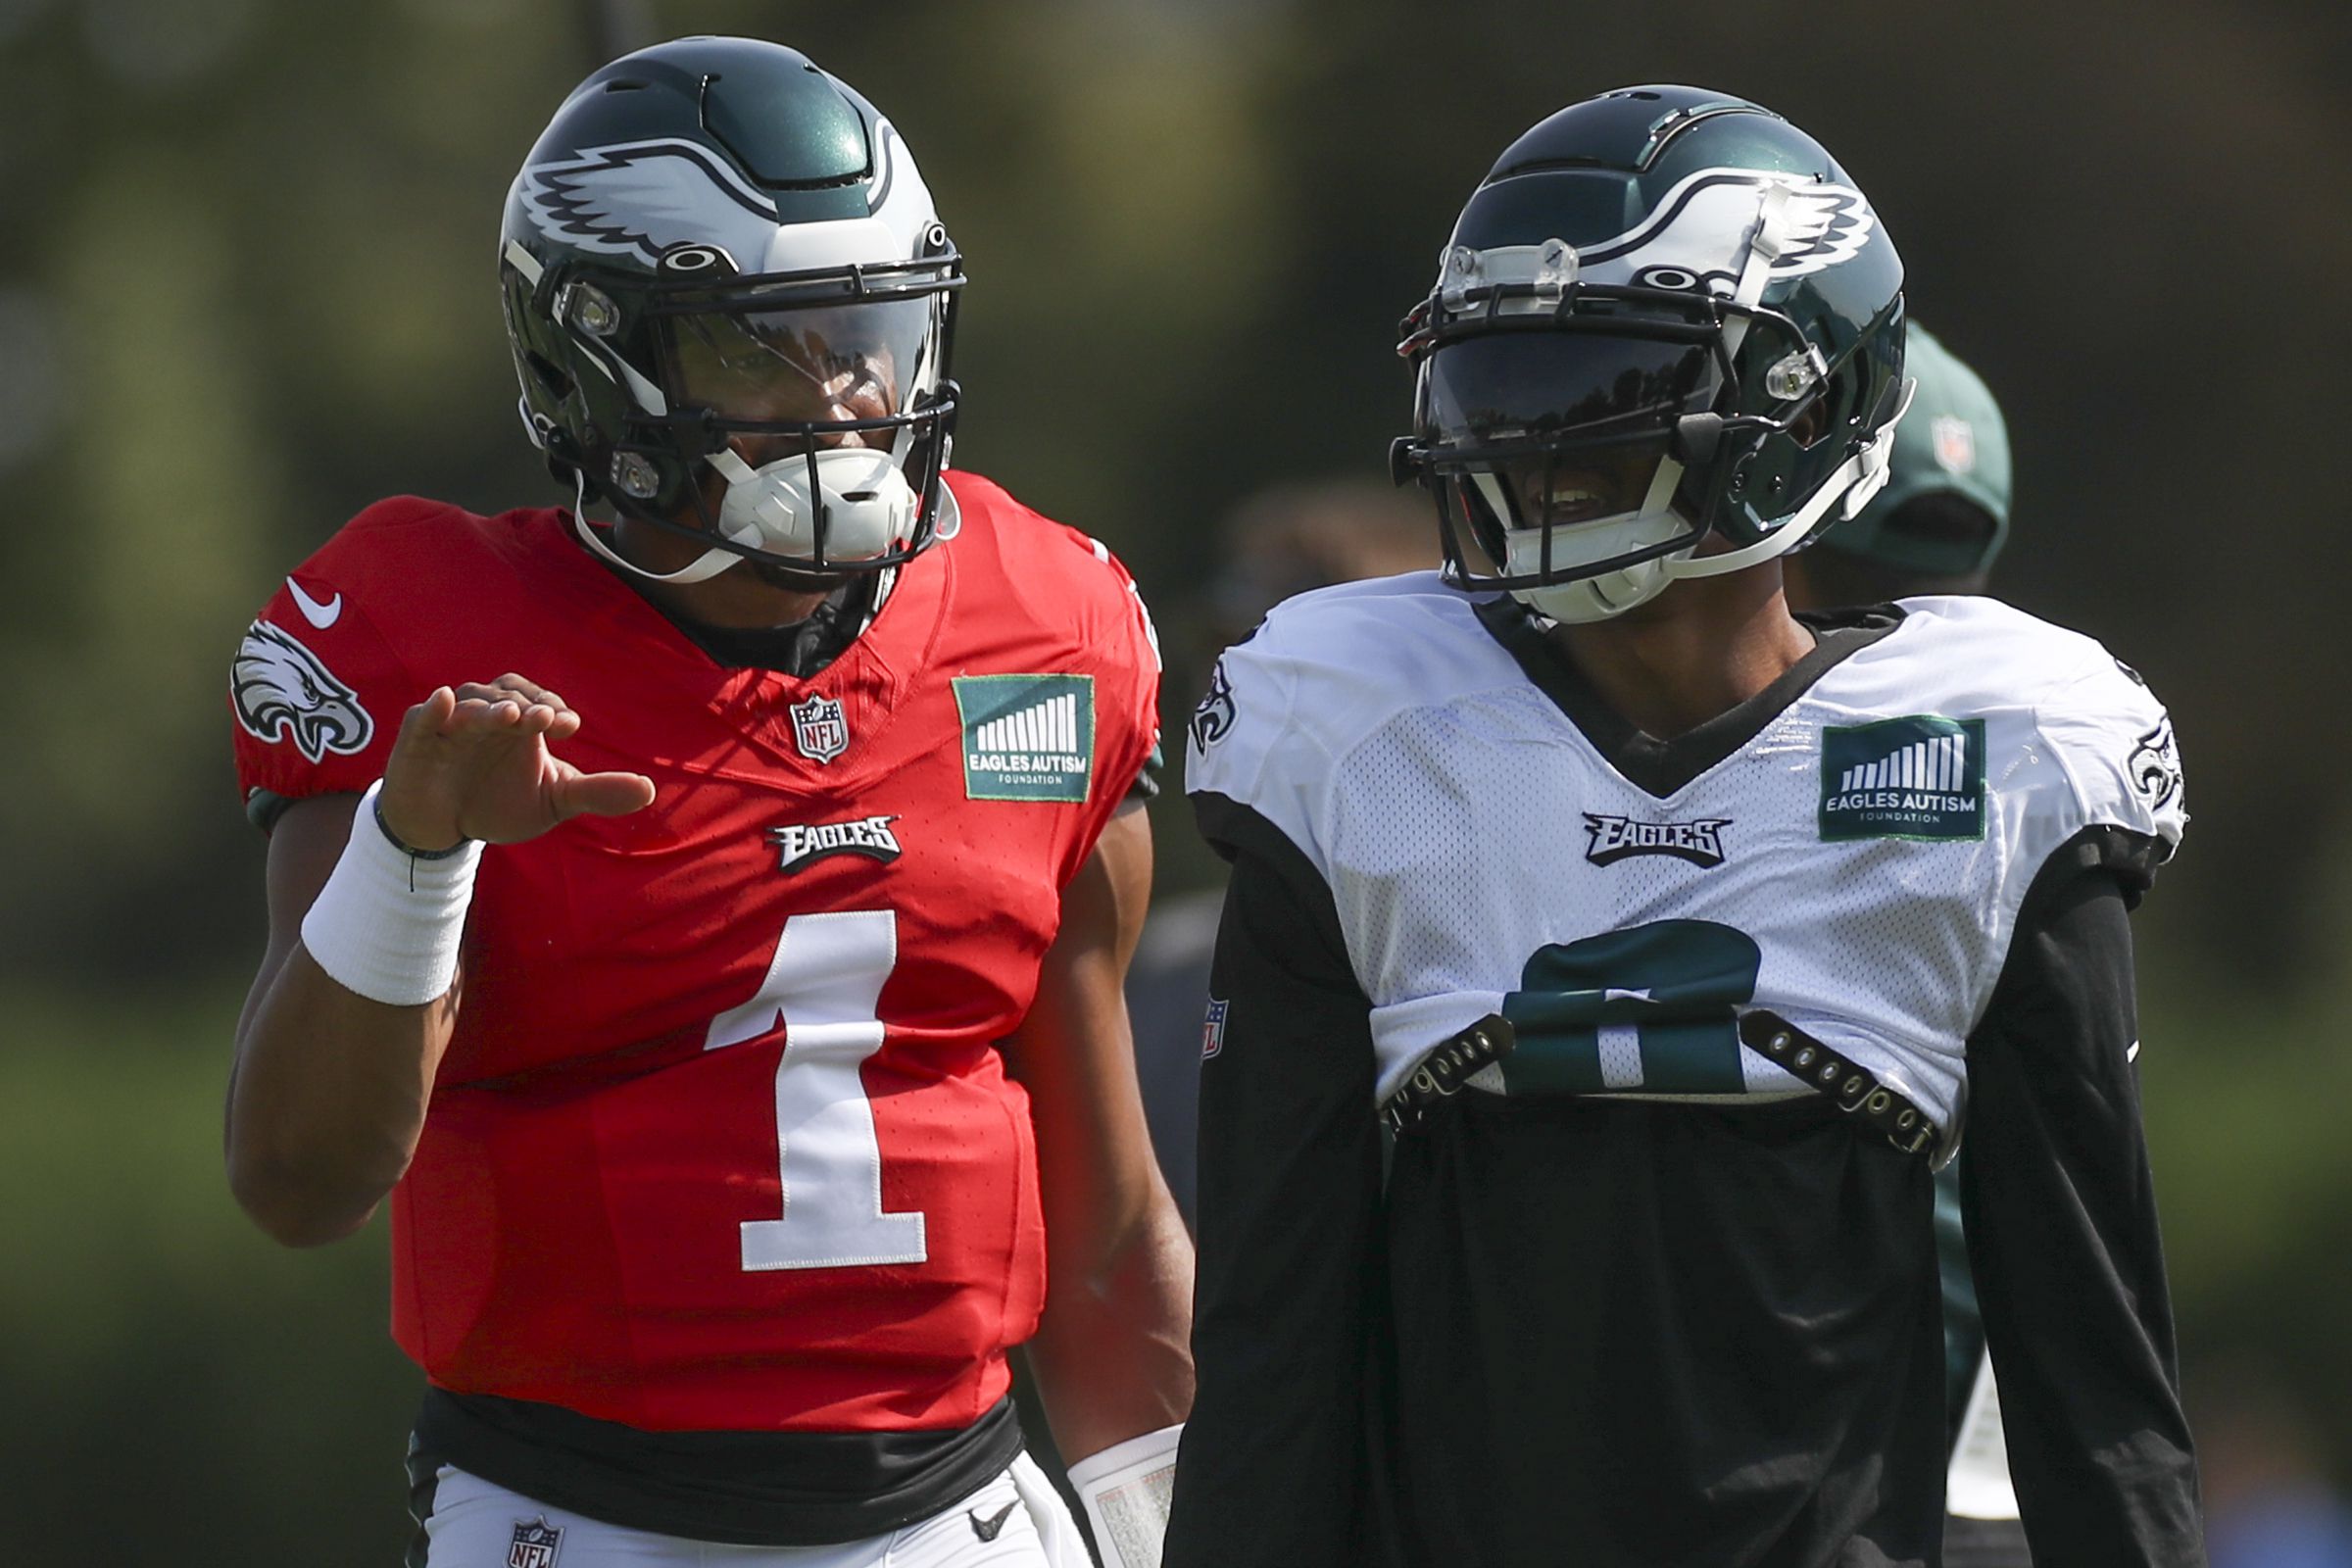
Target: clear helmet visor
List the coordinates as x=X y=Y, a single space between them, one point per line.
x=803 y=366
x=831 y=440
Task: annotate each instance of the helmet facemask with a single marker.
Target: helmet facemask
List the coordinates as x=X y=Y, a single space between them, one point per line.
x=1571 y=503
x=1586 y=436
x=800 y=421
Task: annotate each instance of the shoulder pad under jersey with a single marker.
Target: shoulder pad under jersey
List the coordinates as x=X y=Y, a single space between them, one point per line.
x=1323 y=672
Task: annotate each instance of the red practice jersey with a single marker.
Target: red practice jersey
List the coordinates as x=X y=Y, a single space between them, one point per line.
x=722 y=1141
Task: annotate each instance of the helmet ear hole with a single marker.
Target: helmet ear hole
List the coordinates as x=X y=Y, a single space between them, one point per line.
x=556 y=382
x=1814 y=422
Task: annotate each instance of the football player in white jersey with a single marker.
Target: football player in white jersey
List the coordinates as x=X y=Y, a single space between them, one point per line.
x=1610 y=953
x=1936 y=529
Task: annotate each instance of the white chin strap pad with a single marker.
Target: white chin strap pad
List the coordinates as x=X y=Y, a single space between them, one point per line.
x=1592 y=599
x=868 y=505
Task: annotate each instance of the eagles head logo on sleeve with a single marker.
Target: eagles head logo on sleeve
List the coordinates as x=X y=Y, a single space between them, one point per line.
x=283 y=692
x=1214 y=715
x=2155 y=764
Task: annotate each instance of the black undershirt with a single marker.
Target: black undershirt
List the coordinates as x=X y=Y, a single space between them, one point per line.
x=801 y=650
x=1663 y=766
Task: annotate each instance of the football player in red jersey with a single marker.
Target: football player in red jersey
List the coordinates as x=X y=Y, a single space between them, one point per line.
x=708 y=928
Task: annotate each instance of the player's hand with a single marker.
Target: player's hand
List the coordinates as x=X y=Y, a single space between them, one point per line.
x=472 y=762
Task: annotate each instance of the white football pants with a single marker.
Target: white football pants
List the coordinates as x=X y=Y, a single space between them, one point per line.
x=1015 y=1521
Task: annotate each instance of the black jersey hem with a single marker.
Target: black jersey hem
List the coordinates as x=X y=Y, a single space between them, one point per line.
x=739 y=1489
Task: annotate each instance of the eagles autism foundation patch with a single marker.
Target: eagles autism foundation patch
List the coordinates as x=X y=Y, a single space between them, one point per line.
x=1028 y=737
x=1917 y=777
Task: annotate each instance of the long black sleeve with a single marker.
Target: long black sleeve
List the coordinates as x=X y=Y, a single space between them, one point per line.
x=2061 y=1222
x=1273 y=1470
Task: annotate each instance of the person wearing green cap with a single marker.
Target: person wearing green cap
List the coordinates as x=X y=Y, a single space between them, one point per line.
x=1936 y=529
x=1944 y=514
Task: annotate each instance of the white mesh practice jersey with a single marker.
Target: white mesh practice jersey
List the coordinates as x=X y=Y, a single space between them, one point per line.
x=1856 y=865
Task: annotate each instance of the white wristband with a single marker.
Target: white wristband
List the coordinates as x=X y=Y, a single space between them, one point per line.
x=388 y=922
x=1126 y=1489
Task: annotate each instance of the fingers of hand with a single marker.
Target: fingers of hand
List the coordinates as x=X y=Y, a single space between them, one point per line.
x=512 y=703
x=430 y=716
x=530 y=692
x=601 y=794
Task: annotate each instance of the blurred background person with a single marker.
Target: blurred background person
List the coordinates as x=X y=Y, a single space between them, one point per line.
x=1943 y=517
x=2267 y=1500
x=1283 y=540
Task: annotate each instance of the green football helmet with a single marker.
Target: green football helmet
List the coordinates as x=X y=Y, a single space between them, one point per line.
x=1664 y=314
x=732 y=305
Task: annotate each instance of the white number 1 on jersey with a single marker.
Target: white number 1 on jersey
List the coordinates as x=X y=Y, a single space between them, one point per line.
x=825 y=983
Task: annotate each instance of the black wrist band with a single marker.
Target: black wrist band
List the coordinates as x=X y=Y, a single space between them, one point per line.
x=412 y=853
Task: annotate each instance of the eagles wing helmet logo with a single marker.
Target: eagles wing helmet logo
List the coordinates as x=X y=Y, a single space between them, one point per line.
x=1711 y=214
x=640 y=198
x=283 y=692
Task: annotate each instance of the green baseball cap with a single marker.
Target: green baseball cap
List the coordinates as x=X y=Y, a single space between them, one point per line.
x=1953 y=440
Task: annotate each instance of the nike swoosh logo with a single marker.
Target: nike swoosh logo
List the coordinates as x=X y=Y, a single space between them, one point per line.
x=317 y=615
x=986 y=1529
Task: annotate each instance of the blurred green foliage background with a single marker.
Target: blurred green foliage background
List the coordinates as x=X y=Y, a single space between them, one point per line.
x=247 y=286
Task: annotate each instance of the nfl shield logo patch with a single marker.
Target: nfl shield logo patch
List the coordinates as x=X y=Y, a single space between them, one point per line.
x=1955 y=441
x=1213 y=1029
x=819 y=730
x=535 y=1544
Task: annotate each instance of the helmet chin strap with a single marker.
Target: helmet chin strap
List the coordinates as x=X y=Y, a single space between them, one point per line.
x=710 y=563
x=1854 y=482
